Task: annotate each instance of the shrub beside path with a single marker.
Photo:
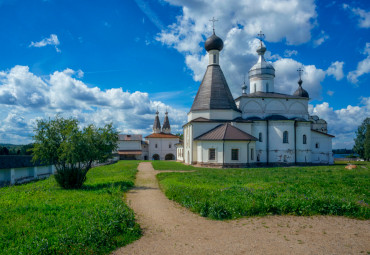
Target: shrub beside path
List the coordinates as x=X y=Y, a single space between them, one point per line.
x=171 y=229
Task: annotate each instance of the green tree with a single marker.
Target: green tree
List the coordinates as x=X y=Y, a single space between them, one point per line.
x=367 y=144
x=359 y=146
x=72 y=150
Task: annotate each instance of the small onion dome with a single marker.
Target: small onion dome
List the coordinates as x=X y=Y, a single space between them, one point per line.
x=300 y=92
x=262 y=67
x=214 y=43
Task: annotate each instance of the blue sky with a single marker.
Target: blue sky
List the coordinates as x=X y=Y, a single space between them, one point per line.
x=120 y=60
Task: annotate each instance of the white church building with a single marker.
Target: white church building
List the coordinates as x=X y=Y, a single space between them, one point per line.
x=261 y=126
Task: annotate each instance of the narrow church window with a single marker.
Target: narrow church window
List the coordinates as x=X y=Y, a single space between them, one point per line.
x=234 y=154
x=260 y=137
x=211 y=154
x=156 y=146
x=258 y=158
x=214 y=59
x=285 y=137
x=255 y=87
x=252 y=154
x=304 y=139
x=267 y=87
x=169 y=146
x=317 y=145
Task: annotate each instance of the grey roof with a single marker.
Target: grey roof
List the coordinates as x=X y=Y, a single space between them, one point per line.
x=300 y=92
x=157 y=123
x=122 y=137
x=226 y=132
x=276 y=117
x=16 y=161
x=270 y=95
x=214 y=43
x=166 y=123
x=213 y=92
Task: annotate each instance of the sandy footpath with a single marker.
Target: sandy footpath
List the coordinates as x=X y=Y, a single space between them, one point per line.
x=171 y=229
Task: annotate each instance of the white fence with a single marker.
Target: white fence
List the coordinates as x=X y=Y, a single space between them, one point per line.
x=25 y=174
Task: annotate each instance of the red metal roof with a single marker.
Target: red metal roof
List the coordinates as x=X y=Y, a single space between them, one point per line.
x=161 y=135
x=129 y=152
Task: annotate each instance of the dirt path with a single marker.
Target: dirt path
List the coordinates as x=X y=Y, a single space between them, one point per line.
x=172 y=229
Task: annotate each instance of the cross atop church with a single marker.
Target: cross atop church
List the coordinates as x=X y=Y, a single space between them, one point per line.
x=300 y=71
x=213 y=20
x=261 y=36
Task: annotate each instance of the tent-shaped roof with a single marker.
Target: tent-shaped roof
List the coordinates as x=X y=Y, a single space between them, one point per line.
x=226 y=132
x=213 y=92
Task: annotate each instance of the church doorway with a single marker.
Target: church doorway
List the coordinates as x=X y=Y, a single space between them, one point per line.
x=169 y=156
x=155 y=157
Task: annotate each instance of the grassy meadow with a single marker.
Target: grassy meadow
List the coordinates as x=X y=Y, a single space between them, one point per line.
x=234 y=193
x=42 y=218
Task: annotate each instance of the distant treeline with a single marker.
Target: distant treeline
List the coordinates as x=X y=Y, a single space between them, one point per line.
x=11 y=149
x=343 y=151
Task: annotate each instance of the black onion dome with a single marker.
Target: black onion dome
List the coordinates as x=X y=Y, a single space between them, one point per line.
x=300 y=92
x=214 y=43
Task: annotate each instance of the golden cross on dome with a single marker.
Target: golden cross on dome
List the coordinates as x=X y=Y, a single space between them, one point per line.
x=213 y=20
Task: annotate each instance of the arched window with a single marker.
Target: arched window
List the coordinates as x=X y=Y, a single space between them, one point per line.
x=260 y=137
x=156 y=145
x=214 y=59
x=285 y=137
x=317 y=145
x=304 y=139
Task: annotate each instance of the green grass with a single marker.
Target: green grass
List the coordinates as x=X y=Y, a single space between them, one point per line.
x=173 y=166
x=42 y=218
x=234 y=193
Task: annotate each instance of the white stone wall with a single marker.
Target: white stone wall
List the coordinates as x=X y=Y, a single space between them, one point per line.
x=180 y=153
x=303 y=150
x=162 y=148
x=280 y=152
x=260 y=127
x=264 y=83
x=323 y=154
x=214 y=114
x=263 y=107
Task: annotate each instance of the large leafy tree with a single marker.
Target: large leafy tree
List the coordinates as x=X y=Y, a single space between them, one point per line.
x=359 y=146
x=367 y=144
x=71 y=149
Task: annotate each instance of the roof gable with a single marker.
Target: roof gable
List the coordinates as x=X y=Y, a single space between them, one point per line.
x=226 y=132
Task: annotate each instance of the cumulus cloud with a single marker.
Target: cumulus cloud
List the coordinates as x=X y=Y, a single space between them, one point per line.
x=322 y=38
x=363 y=16
x=336 y=70
x=363 y=67
x=239 y=23
x=343 y=122
x=52 y=40
x=26 y=97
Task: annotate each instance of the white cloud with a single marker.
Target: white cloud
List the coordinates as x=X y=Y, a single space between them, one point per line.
x=363 y=67
x=52 y=40
x=322 y=38
x=25 y=97
x=363 y=16
x=343 y=122
x=336 y=70
x=289 y=53
x=239 y=23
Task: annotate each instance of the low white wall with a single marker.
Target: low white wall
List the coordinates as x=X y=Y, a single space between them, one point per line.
x=25 y=174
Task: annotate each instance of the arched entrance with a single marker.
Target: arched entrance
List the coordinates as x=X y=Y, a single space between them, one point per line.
x=155 y=157
x=169 y=156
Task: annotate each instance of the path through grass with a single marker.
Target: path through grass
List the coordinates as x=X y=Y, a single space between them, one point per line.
x=234 y=193
x=42 y=218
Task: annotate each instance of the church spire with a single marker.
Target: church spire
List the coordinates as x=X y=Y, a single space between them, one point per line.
x=166 y=125
x=262 y=74
x=157 y=123
x=300 y=92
